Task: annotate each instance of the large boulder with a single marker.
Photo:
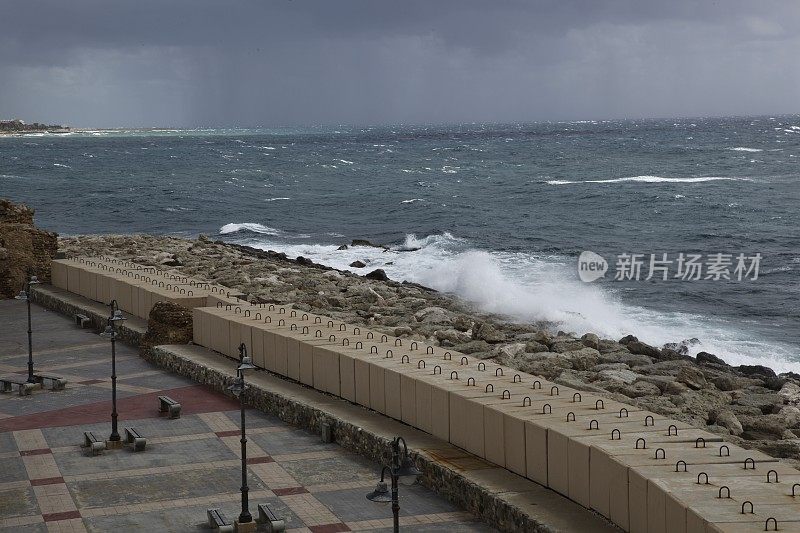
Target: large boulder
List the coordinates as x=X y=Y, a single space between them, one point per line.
x=169 y=323
x=24 y=249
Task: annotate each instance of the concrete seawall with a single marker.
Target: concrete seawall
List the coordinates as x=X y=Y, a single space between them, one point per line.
x=643 y=471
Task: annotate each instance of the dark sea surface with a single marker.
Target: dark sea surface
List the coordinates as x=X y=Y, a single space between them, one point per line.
x=497 y=214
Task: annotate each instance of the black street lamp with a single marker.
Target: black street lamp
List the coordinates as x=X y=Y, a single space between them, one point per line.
x=245 y=363
x=111 y=333
x=25 y=294
x=402 y=470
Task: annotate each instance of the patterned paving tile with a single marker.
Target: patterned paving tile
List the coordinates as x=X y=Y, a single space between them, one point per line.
x=17 y=502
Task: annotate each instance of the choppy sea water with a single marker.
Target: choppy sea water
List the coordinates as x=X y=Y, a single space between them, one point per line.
x=496 y=214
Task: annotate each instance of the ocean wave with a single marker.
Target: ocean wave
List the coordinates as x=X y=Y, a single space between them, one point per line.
x=745 y=149
x=61 y=165
x=649 y=179
x=529 y=287
x=276 y=199
x=248 y=226
x=412 y=200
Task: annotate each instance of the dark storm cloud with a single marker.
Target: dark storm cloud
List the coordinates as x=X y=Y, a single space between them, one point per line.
x=201 y=62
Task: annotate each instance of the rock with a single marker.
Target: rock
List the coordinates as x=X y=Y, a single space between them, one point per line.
x=609 y=366
x=705 y=358
x=358 y=264
x=24 y=249
x=453 y=336
x=462 y=323
x=509 y=352
x=168 y=323
x=343 y=247
x=562 y=346
x=536 y=347
x=591 y=340
x=402 y=331
x=583 y=359
x=632 y=360
x=639 y=389
x=726 y=382
x=764 y=402
x=628 y=338
x=487 y=332
x=377 y=274
x=621 y=376
x=472 y=347
x=763 y=426
x=681 y=348
x=790 y=394
x=774 y=383
x=691 y=377
x=728 y=420
x=791 y=415
x=636 y=347
x=755 y=370
x=433 y=315
x=364 y=242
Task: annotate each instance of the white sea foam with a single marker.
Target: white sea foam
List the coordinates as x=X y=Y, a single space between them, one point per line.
x=649 y=179
x=411 y=201
x=346 y=162
x=528 y=287
x=249 y=226
x=276 y=199
x=745 y=149
x=61 y=165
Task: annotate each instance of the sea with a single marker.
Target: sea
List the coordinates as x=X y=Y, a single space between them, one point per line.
x=497 y=214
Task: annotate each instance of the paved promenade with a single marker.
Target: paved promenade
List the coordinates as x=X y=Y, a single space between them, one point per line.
x=47 y=483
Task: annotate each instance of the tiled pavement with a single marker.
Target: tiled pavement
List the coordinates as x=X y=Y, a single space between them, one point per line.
x=47 y=483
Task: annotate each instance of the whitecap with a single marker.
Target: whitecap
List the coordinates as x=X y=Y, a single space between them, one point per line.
x=745 y=149
x=346 y=162
x=411 y=201
x=276 y=199
x=61 y=165
x=248 y=226
x=650 y=179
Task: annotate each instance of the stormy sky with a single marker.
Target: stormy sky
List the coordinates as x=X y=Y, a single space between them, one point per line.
x=191 y=63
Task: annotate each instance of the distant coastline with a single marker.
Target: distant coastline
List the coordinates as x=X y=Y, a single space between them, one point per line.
x=19 y=127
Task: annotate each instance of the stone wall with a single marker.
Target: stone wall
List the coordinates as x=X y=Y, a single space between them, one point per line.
x=24 y=249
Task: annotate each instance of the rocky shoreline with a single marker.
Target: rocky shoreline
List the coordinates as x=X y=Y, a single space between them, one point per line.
x=749 y=405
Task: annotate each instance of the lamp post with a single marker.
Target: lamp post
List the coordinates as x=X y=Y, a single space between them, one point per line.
x=402 y=470
x=245 y=363
x=25 y=294
x=111 y=333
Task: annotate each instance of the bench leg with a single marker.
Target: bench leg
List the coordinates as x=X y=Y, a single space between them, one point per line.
x=175 y=411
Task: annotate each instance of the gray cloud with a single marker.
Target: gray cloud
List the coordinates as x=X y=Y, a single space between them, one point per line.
x=280 y=62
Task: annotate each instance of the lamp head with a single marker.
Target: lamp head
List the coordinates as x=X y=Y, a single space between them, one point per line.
x=381 y=493
x=108 y=333
x=237 y=388
x=246 y=364
x=117 y=317
x=22 y=295
x=34 y=281
x=408 y=473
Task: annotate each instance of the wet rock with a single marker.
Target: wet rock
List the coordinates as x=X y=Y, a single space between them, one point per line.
x=343 y=247
x=628 y=338
x=487 y=332
x=636 y=347
x=304 y=261
x=591 y=340
x=358 y=264
x=365 y=242
x=755 y=370
x=681 y=348
x=377 y=274
x=774 y=383
x=705 y=358
x=691 y=377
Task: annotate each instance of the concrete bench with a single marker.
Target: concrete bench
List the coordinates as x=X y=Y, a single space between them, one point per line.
x=56 y=383
x=267 y=517
x=218 y=521
x=82 y=321
x=170 y=406
x=94 y=445
x=135 y=438
x=24 y=388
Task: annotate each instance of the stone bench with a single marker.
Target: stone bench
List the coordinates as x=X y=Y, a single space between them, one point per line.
x=56 y=382
x=95 y=445
x=218 y=521
x=169 y=406
x=24 y=387
x=135 y=438
x=82 y=321
x=269 y=519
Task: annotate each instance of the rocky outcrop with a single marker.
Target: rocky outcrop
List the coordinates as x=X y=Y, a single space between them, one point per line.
x=169 y=323
x=24 y=249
